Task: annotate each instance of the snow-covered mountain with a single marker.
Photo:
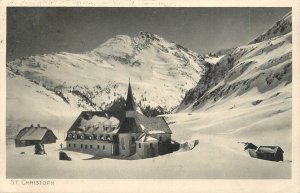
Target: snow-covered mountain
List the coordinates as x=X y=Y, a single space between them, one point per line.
x=248 y=75
x=63 y=84
x=281 y=27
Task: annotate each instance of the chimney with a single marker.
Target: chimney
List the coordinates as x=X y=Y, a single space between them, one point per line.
x=38 y=125
x=31 y=125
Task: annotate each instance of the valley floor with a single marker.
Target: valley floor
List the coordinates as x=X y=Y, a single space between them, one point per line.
x=219 y=155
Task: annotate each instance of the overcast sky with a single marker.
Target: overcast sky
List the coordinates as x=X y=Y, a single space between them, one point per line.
x=32 y=31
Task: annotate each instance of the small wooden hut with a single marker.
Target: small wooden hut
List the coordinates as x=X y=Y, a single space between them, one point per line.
x=272 y=153
x=34 y=135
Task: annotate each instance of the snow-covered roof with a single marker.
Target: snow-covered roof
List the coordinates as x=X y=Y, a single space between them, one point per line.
x=153 y=124
x=156 y=132
x=33 y=133
x=268 y=149
x=146 y=138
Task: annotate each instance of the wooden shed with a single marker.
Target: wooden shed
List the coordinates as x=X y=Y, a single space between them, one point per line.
x=34 y=135
x=272 y=153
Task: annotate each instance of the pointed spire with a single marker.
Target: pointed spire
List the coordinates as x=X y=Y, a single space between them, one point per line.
x=130 y=105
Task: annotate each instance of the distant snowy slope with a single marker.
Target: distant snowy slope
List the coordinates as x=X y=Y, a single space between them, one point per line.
x=265 y=67
x=281 y=27
x=160 y=72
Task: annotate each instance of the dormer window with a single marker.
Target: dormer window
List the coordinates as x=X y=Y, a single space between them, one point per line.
x=98 y=137
x=70 y=136
x=101 y=137
x=108 y=137
x=74 y=136
x=82 y=137
x=91 y=137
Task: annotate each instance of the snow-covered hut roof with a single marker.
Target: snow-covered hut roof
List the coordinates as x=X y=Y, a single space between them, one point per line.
x=34 y=133
x=268 y=149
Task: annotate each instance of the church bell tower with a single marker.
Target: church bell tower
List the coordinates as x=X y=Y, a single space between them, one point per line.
x=130 y=107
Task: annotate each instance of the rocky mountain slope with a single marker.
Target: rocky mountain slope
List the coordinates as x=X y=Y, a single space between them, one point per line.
x=263 y=66
x=63 y=84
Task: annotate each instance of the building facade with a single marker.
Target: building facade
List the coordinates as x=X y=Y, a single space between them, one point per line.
x=120 y=133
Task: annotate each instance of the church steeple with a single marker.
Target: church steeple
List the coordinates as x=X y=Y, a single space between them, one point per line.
x=130 y=105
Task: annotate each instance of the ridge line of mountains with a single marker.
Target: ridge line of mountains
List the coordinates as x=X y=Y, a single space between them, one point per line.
x=63 y=84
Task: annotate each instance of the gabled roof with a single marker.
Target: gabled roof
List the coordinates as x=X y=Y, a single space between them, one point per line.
x=269 y=149
x=34 y=133
x=152 y=125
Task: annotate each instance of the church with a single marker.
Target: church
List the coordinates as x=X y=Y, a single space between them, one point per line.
x=120 y=133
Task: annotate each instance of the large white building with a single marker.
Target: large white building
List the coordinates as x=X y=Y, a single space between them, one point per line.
x=120 y=133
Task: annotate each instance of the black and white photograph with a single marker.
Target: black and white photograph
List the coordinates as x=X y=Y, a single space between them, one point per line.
x=184 y=92
x=149 y=93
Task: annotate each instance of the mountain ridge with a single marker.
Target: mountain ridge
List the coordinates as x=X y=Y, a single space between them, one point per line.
x=264 y=64
x=94 y=80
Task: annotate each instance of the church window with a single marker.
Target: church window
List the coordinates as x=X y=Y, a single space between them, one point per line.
x=98 y=146
x=103 y=147
x=123 y=143
x=69 y=144
x=74 y=145
x=132 y=139
x=91 y=146
x=140 y=145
